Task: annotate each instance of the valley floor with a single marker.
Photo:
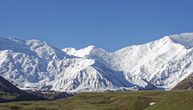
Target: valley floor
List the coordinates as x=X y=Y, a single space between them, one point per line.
x=139 y=100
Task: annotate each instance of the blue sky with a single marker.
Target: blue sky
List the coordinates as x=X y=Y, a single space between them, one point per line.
x=109 y=24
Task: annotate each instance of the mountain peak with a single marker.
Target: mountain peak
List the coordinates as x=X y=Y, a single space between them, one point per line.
x=90 y=47
x=166 y=39
x=81 y=52
x=45 y=50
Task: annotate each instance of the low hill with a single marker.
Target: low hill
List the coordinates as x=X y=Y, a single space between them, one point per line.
x=6 y=86
x=9 y=92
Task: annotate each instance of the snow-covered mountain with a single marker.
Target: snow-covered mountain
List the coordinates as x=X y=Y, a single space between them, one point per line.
x=35 y=64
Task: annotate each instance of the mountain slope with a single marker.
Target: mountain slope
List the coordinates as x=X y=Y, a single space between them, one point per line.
x=44 y=67
x=184 y=39
x=8 y=91
x=87 y=75
x=185 y=84
x=163 y=62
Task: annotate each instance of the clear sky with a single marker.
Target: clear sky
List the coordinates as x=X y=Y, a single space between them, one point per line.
x=109 y=24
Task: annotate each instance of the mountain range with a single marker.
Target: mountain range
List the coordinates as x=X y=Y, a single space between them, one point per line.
x=34 y=64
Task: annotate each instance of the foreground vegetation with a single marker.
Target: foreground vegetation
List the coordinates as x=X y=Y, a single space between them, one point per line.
x=141 y=100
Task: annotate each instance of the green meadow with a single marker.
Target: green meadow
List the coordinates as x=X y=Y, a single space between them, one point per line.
x=138 y=100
